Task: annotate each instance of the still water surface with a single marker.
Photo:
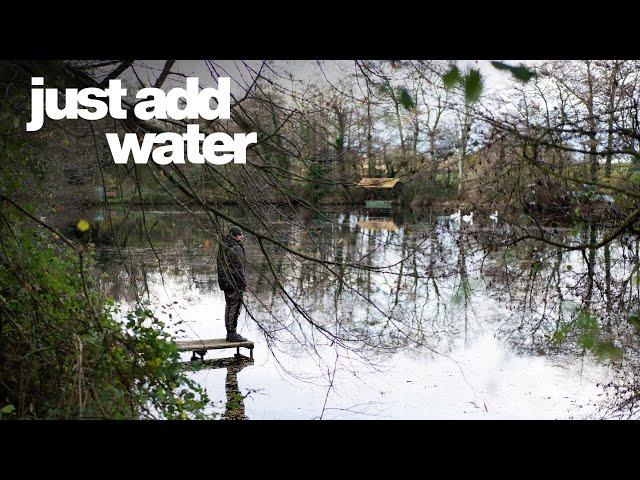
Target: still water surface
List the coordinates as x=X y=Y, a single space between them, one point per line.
x=453 y=330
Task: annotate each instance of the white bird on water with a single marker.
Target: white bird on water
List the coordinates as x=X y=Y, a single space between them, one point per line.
x=494 y=216
x=468 y=218
x=455 y=216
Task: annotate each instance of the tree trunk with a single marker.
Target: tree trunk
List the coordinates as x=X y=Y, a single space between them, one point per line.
x=370 y=160
x=591 y=123
x=464 y=137
x=402 y=145
x=611 y=117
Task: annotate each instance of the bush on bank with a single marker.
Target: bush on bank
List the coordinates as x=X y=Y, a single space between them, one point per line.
x=66 y=352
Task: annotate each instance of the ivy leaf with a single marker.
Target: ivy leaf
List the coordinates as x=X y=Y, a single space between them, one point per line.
x=451 y=78
x=473 y=85
x=405 y=98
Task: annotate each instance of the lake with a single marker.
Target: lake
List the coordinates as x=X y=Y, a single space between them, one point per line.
x=418 y=316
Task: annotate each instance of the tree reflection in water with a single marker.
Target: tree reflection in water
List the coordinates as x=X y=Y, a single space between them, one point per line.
x=442 y=285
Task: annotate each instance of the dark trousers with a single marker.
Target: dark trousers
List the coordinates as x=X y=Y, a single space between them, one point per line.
x=233 y=302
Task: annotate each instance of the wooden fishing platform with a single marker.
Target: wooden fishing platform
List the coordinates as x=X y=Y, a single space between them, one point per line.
x=200 y=347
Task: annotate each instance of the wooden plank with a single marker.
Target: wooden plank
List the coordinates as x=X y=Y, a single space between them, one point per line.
x=210 y=344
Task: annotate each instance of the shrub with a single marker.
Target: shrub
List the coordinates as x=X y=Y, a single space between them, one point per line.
x=65 y=352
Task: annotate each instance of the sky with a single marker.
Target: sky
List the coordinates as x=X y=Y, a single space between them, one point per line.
x=307 y=70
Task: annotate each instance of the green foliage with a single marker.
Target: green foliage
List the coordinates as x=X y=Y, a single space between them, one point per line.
x=585 y=330
x=606 y=349
x=404 y=97
x=634 y=319
x=473 y=83
x=520 y=73
x=451 y=78
x=587 y=326
x=536 y=266
x=69 y=353
x=316 y=185
x=402 y=94
x=634 y=178
x=473 y=86
x=7 y=411
x=462 y=294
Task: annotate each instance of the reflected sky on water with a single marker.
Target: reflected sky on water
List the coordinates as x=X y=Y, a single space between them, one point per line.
x=461 y=353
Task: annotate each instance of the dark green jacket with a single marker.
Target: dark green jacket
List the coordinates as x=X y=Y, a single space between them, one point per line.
x=230 y=263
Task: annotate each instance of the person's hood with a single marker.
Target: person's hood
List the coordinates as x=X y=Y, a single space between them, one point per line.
x=230 y=241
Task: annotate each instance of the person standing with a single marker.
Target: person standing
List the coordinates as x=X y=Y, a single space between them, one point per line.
x=232 y=279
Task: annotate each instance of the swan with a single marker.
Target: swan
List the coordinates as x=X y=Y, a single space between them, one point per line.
x=494 y=216
x=468 y=218
x=455 y=216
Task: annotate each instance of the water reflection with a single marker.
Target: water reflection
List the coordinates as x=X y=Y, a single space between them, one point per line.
x=234 y=406
x=426 y=287
x=374 y=224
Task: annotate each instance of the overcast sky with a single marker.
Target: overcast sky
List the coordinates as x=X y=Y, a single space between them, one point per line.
x=306 y=70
